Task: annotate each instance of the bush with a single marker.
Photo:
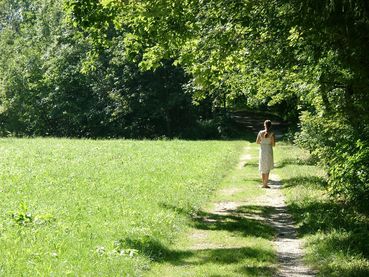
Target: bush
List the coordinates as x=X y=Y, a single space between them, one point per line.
x=343 y=152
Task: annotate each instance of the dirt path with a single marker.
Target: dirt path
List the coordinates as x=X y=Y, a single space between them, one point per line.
x=288 y=246
x=232 y=236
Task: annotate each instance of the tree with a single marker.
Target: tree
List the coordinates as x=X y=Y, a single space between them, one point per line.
x=307 y=55
x=46 y=89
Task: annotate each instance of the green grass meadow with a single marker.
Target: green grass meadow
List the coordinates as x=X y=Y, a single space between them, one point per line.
x=133 y=208
x=336 y=236
x=101 y=208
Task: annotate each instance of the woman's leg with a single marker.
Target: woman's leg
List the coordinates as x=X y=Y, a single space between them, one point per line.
x=264 y=177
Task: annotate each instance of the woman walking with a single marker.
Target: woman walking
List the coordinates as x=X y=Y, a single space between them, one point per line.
x=266 y=139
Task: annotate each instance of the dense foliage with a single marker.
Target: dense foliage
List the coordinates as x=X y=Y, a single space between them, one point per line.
x=307 y=58
x=50 y=87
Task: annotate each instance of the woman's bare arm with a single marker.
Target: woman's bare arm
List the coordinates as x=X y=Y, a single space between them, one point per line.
x=273 y=139
x=258 y=138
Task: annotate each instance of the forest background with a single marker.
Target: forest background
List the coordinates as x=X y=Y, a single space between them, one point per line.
x=178 y=69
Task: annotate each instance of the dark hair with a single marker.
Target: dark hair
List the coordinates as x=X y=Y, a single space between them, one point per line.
x=268 y=126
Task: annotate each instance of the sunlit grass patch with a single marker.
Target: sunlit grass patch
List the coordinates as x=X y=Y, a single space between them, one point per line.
x=86 y=207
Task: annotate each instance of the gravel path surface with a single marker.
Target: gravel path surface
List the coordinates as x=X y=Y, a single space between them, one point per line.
x=288 y=246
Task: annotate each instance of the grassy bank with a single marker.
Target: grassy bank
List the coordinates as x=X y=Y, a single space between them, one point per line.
x=108 y=208
x=337 y=237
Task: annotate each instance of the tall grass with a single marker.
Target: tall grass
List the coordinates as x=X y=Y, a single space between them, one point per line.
x=105 y=208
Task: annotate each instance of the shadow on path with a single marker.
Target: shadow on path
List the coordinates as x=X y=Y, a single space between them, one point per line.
x=345 y=230
x=243 y=221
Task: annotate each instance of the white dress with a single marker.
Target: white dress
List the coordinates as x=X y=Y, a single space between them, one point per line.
x=266 y=162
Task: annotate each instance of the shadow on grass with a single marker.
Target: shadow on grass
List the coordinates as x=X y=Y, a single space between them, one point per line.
x=252 y=164
x=256 y=270
x=235 y=256
x=186 y=211
x=310 y=181
x=222 y=256
x=245 y=221
x=242 y=221
x=312 y=216
x=326 y=217
x=338 y=231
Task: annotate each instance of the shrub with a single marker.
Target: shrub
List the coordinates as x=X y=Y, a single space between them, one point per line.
x=343 y=152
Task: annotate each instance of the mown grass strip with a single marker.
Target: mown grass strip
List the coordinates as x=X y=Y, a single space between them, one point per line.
x=236 y=242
